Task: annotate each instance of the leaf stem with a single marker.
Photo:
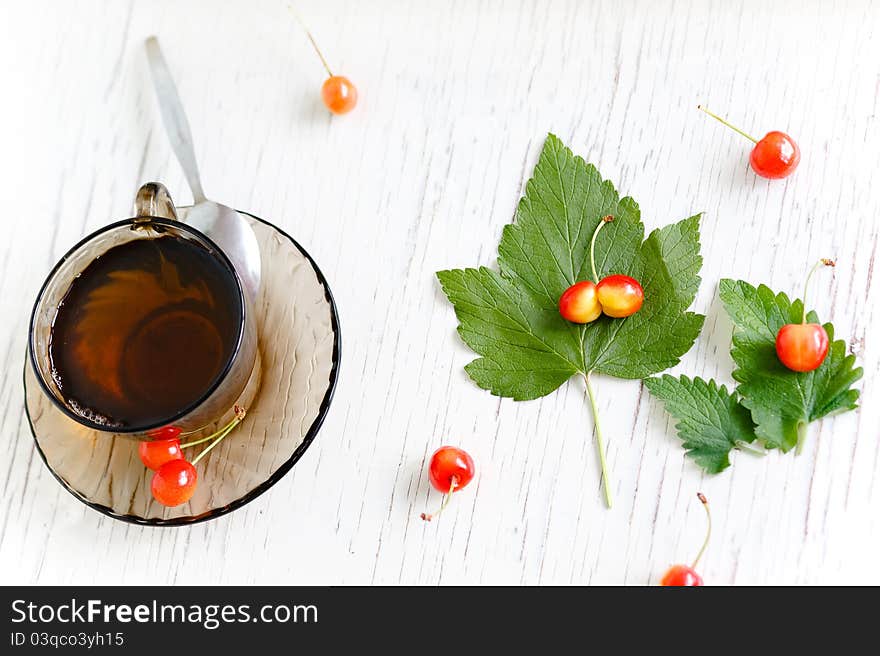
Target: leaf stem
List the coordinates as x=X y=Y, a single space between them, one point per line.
x=742 y=446
x=732 y=127
x=801 y=437
x=705 y=503
x=605 y=219
x=823 y=262
x=600 y=443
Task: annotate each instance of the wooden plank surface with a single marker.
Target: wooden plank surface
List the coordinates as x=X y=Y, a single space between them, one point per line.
x=457 y=98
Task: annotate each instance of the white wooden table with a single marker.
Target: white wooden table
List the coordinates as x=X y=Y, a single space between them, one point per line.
x=456 y=101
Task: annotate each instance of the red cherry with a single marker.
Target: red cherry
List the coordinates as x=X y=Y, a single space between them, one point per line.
x=164 y=433
x=619 y=295
x=686 y=575
x=448 y=463
x=681 y=576
x=802 y=346
x=174 y=483
x=450 y=470
x=156 y=453
x=579 y=303
x=775 y=156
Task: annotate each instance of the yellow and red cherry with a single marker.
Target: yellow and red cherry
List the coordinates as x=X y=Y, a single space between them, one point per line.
x=620 y=296
x=450 y=470
x=774 y=156
x=803 y=346
x=174 y=483
x=686 y=575
x=580 y=303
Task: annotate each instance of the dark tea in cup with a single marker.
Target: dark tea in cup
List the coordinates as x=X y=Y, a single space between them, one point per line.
x=145 y=331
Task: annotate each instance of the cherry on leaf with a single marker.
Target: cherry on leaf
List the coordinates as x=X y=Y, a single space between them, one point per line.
x=579 y=303
x=686 y=575
x=774 y=156
x=616 y=295
x=619 y=295
x=174 y=483
x=156 y=453
x=450 y=470
x=803 y=346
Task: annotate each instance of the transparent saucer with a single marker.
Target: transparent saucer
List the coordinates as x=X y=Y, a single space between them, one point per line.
x=286 y=398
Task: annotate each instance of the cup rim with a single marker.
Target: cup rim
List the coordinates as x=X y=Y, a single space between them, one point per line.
x=216 y=251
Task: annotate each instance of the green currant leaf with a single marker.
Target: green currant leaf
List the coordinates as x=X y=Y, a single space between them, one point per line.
x=711 y=421
x=782 y=401
x=511 y=318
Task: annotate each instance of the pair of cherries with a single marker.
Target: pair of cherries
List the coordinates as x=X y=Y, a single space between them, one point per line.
x=174 y=479
x=615 y=296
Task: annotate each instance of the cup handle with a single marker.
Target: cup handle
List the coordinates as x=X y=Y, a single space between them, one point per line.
x=153 y=200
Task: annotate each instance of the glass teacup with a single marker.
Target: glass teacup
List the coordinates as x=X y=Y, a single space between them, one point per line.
x=232 y=359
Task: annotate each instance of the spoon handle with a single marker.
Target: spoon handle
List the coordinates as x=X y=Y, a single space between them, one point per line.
x=174 y=118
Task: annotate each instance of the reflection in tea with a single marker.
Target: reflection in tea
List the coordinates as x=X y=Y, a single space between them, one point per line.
x=144 y=331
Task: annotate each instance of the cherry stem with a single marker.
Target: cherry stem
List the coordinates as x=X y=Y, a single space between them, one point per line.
x=708 y=529
x=823 y=262
x=219 y=435
x=732 y=127
x=600 y=443
x=302 y=24
x=605 y=219
x=217 y=432
x=453 y=483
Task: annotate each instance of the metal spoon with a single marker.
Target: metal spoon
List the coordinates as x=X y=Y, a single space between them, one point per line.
x=226 y=227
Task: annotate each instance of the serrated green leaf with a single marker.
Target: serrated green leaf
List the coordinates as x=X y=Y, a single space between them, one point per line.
x=781 y=400
x=711 y=421
x=526 y=353
x=511 y=318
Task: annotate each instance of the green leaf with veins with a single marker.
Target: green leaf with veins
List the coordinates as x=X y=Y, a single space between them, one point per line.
x=782 y=402
x=711 y=421
x=511 y=318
